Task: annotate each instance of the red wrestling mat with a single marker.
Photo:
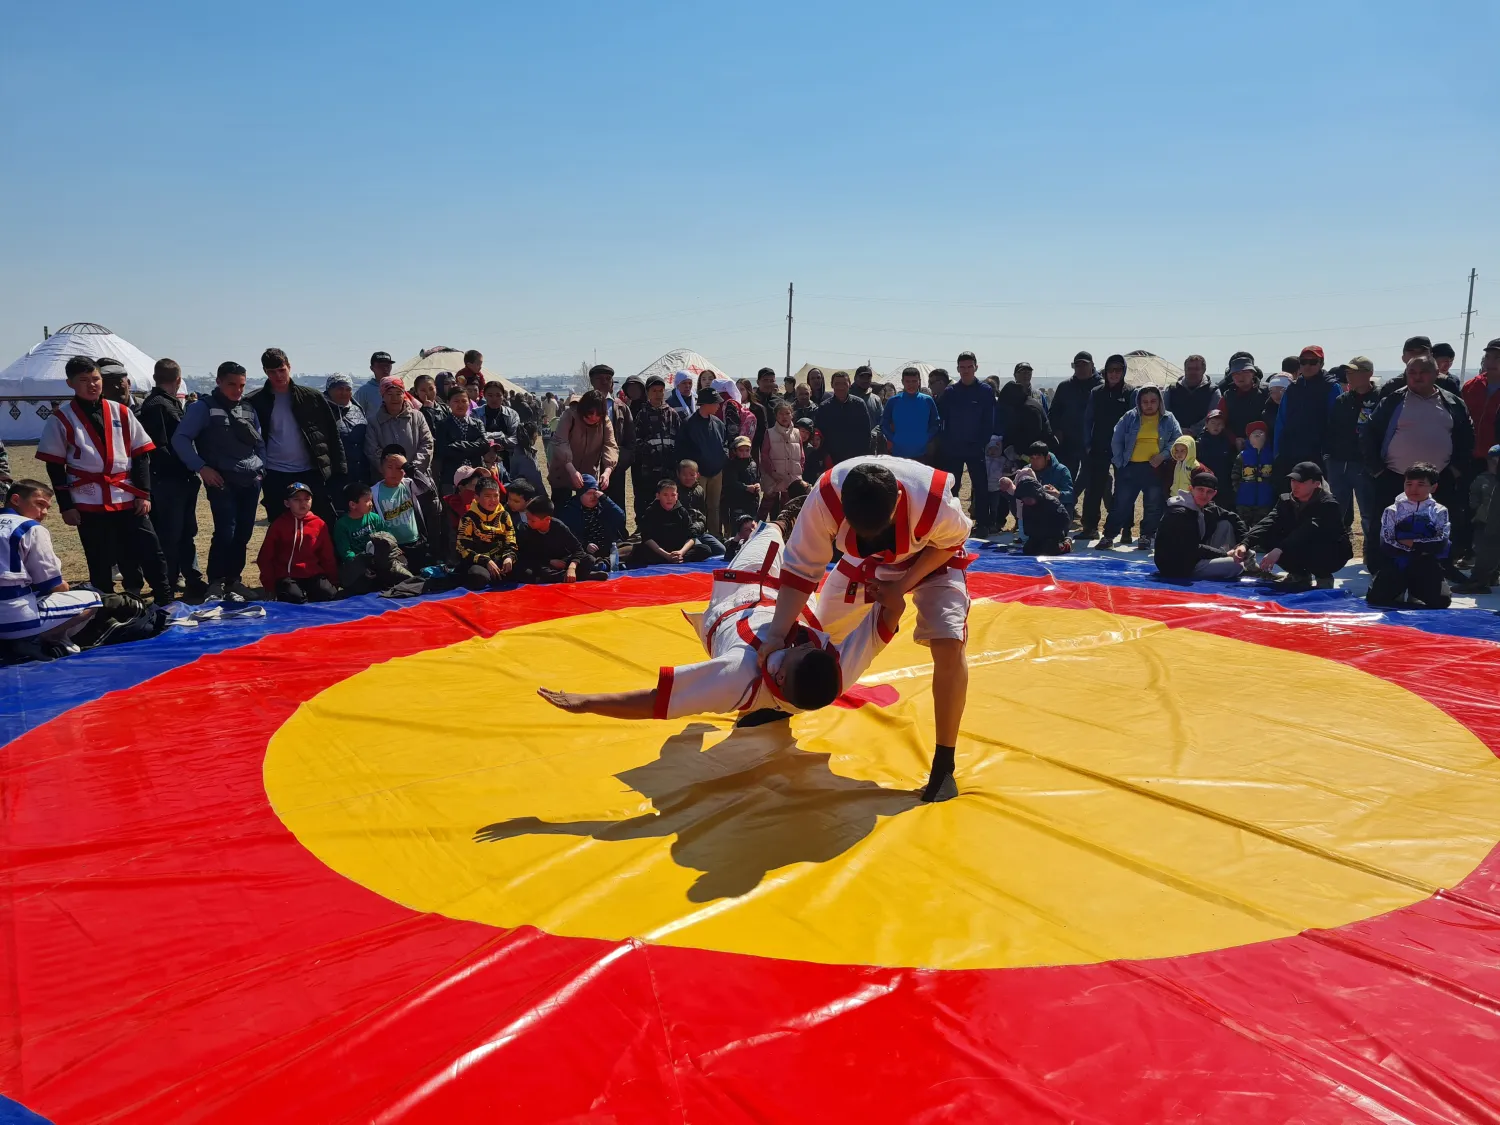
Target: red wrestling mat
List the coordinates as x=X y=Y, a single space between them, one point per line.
x=174 y=954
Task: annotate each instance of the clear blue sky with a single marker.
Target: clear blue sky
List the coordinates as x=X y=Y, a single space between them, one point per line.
x=544 y=180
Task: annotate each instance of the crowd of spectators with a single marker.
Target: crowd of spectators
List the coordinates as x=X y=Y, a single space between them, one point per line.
x=454 y=480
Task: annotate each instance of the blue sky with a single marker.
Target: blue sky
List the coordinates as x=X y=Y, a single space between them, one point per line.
x=548 y=180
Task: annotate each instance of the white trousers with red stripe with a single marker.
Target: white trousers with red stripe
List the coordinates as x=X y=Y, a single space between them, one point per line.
x=840 y=603
x=752 y=580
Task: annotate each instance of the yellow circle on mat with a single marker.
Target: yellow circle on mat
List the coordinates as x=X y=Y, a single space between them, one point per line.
x=1127 y=791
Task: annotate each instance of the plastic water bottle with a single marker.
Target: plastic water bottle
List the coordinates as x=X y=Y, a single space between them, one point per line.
x=614 y=558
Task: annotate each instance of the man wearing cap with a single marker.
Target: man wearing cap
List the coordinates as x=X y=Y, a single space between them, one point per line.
x=970 y=418
x=701 y=439
x=1420 y=422
x=1344 y=459
x=602 y=379
x=1417 y=346
x=1245 y=400
x=1302 y=419
x=863 y=390
x=1304 y=534
x=1191 y=398
x=1197 y=540
x=910 y=422
x=367 y=397
x=302 y=438
x=656 y=426
x=1069 y=412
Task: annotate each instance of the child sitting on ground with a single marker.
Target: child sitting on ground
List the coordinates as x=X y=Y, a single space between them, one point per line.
x=1041 y=513
x=1253 y=495
x=486 y=540
x=595 y=520
x=1414 y=537
x=296 y=560
x=666 y=531
x=1484 y=504
x=548 y=552
x=395 y=503
x=367 y=555
x=456 y=504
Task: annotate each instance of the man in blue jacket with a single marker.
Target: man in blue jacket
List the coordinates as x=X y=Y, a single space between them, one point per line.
x=910 y=422
x=1302 y=418
x=967 y=409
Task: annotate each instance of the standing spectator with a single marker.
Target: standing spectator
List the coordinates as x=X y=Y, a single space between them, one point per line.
x=910 y=421
x=367 y=398
x=1414 y=538
x=1198 y=540
x=862 y=390
x=296 y=560
x=1344 y=459
x=1107 y=404
x=1216 y=452
x=1021 y=416
x=220 y=439
x=302 y=439
x=550 y=411
x=1276 y=388
x=1419 y=346
x=702 y=441
x=1419 y=423
x=1481 y=395
x=1445 y=356
x=434 y=410
x=682 y=399
x=812 y=453
x=656 y=426
x=523 y=459
x=486 y=539
x=802 y=402
x=584 y=443
x=817 y=388
x=1191 y=398
x=174 y=487
x=596 y=520
x=742 y=489
x=1302 y=420
x=97 y=462
x=763 y=405
x=1142 y=441
x=1069 y=415
x=633 y=393
x=352 y=426
x=781 y=460
x=1245 y=400
x=621 y=421
x=970 y=417
x=1484 y=509
x=937 y=382
x=844 y=422
x=1304 y=533
x=788 y=386
x=458 y=440
x=5 y=477
x=116 y=380
x=497 y=418
x=398 y=423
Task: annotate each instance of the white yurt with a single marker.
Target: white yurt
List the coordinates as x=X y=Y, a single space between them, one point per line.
x=1143 y=367
x=429 y=361
x=680 y=360
x=32 y=386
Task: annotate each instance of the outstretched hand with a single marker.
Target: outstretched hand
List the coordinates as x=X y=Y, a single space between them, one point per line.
x=563 y=700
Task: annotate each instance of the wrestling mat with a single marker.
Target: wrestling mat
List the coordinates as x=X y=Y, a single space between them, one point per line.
x=1216 y=857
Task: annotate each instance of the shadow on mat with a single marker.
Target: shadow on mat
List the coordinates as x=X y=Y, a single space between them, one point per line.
x=753 y=803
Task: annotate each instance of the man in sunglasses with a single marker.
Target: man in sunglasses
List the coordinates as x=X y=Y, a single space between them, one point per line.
x=1302 y=419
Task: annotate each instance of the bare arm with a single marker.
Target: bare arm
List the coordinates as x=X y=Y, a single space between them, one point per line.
x=613 y=705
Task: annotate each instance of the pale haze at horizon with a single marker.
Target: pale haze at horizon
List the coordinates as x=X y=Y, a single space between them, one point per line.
x=544 y=184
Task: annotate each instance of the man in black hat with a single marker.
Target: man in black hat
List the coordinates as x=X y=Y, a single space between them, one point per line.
x=602 y=379
x=367 y=397
x=701 y=440
x=1304 y=534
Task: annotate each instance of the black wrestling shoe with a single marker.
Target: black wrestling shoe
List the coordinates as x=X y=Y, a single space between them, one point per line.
x=761 y=717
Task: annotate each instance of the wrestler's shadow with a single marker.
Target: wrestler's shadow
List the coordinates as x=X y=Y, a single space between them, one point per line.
x=751 y=804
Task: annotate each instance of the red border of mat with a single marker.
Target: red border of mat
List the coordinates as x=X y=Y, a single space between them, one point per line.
x=178 y=957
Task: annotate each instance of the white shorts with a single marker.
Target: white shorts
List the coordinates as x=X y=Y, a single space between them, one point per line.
x=53 y=610
x=941 y=603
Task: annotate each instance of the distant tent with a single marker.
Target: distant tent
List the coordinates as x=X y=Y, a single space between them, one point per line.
x=680 y=360
x=429 y=361
x=31 y=385
x=1143 y=367
x=924 y=369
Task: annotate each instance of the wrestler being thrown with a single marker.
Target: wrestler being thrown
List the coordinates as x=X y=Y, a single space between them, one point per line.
x=901 y=532
x=804 y=675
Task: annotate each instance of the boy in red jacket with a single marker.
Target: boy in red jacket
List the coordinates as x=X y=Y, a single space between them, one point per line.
x=296 y=560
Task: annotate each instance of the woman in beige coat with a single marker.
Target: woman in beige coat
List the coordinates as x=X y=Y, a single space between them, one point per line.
x=781 y=461
x=583 y=444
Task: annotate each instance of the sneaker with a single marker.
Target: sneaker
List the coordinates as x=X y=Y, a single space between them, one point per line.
x=1290 y=583
x=214 y=592
x=1144 y=543
x=1105 y=544
x=241 y=592
x=1125 y=539
x=1473 y=586
x=58 y=649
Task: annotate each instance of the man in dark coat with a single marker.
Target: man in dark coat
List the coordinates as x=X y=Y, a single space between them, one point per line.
x=1304 y=533
x=1069 y=412
x=302 y=439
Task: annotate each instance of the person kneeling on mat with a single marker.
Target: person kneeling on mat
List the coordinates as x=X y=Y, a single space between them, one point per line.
x=1414 y=540
x=1197 y=539
x=809 y=672
x=1305 y=533
x=38 y=612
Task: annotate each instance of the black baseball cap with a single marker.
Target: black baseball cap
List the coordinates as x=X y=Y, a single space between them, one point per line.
x=382 y=357
x=1305 y=471
x=655 y=381
x=1202 y=478
x=1084 y=357
x=1443 y=351
x=1413 y=342
x=1493 y=345
x=296 y=487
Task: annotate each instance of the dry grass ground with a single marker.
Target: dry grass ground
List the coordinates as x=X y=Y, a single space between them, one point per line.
x=23 y=463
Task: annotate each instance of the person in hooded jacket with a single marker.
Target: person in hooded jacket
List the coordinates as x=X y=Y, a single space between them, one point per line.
x=1107 y=404
x=1069 y=413
x=1216 y=452
x=1199 y=541
x=1043 y=517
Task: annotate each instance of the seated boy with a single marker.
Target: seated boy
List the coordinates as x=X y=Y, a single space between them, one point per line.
x=38 y=612
x=396 y=505
x=667 y=532
x=596 y=520
x=1414 y=538
x=809 y=673
x=548 y=552
x=367 y=555
x=486 y=539
x=296 y=560
x=457 y=502
x=691 y=496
